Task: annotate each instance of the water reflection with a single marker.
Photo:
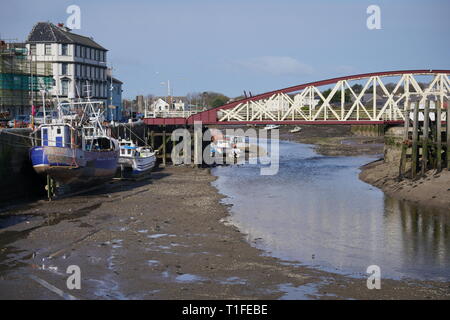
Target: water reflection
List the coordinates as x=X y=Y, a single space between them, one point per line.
x=317 y=211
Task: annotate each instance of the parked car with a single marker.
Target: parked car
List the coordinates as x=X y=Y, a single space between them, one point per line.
x=19 y=121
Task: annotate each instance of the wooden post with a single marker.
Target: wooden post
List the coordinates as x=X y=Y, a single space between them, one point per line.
x=164 y=146
x=426 y=126
x=438 y=137
x=405 y=140
x=48 y=187
x=198 y=143
x=152 y=139
x=415 y=137
x=448 y=137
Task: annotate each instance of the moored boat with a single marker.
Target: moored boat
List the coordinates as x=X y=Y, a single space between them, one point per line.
x=135 y=160
x=271 y=127
x=74 y=153
x=296 y=129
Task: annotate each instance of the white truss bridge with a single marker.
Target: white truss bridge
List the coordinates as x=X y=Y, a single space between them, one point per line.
x=381 y=97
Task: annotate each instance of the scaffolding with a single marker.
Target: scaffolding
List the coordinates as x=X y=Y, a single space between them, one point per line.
x=21 y=79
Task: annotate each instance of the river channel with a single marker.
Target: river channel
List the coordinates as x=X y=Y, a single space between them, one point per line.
x=315 y=211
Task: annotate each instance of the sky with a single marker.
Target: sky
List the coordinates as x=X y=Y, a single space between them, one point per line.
x=229 y=46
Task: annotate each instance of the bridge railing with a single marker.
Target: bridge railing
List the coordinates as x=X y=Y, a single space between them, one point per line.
x=170 y=114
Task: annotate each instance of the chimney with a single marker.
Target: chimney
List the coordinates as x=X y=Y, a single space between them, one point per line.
x=61 y=25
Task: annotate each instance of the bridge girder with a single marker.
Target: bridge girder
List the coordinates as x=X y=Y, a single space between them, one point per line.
x=310 y=104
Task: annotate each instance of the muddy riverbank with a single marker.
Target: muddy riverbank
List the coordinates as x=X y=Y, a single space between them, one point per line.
x=334 y=140
x=432 y=190
x=162 y=238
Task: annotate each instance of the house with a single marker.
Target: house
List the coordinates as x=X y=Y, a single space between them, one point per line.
x=160 y=105
x=179 y=106
x=114 y=99
x=75 y=60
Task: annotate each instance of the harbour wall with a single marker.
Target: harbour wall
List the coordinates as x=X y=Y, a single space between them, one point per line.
x=17 y=177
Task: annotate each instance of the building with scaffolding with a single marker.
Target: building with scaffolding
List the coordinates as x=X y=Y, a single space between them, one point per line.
x=20 y=80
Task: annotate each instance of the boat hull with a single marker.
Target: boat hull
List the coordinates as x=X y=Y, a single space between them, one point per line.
x=137 y=166
x=74 y=167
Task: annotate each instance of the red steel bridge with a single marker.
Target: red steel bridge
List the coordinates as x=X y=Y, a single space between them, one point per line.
x=385 y=98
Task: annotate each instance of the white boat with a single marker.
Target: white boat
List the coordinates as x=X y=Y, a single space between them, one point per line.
x=271 y=127
x=135 y=160
x=296 y=129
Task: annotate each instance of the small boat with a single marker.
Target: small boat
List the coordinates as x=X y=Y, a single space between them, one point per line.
x=135 y=161
x=73 y=153
x=296 y=129
x=220 y=146
x=271 y=127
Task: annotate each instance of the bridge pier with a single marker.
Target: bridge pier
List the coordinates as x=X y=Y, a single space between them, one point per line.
x=421 y=145
x=369 y=130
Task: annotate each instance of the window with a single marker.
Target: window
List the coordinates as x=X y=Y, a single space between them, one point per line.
x=48 y=49
x=63 y=69
x=64 y=49
x=83 y=52
x=33 y=49
x=64 y=87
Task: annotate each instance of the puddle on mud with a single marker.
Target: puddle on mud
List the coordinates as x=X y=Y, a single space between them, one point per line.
x=152 y=263
x=187 y=277
x=158 y=235
x=308 y=291
x=233 y=280
x=11 y=220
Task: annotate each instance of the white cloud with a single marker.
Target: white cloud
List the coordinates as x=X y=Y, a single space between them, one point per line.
x=275 y=65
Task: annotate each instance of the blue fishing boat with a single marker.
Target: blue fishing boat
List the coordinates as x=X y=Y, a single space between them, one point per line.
x=74 y=152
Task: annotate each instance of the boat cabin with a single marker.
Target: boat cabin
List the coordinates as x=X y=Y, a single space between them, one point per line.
x=56 y=135
x=95 y=141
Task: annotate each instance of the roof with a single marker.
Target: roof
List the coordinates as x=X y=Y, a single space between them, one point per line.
x=48 y=32
x=115 y=80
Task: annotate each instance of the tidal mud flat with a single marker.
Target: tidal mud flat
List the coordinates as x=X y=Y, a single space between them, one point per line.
x=161 y=238
x=432 y=189
x=334 y=140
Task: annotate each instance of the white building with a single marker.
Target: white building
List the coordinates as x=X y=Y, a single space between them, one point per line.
x=159 y=105
x=75 y=60
x=179 y=106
